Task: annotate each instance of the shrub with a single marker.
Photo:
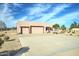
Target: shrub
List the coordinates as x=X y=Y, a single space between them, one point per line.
x=1 y=35
x=73 y=32
x=78 y=35
x=6 y=38
x=1 y=42
x=5 y=32
x=70 y=34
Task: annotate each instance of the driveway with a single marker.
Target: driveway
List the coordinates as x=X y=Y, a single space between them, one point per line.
x=50 y=44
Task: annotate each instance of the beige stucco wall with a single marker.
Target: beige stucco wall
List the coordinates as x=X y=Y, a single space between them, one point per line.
x=75 y=29
x=28 y=23
x=22 y=23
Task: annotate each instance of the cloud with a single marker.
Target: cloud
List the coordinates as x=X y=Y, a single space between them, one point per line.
x=12 y=22
x=54 y=11
x=38 y=9
x=6 y=15
x=37 y=13
x=67 y=19
x=17 y=4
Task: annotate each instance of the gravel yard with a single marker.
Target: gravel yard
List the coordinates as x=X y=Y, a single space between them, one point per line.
x=12 y=45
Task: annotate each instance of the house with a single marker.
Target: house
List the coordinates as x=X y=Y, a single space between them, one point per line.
x=28 y=27
x=75 y=30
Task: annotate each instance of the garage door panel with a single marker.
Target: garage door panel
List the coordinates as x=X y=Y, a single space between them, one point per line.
x=25 y=30
x=37 y=29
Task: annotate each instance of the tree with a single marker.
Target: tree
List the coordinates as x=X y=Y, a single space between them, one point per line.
x=78 y=25
x=73 y=25
x=63 y=27
x=2 y=25
x=56 y=26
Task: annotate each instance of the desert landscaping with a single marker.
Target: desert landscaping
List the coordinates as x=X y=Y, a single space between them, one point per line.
x=47 y=42
x=39 y=29
x=12 y=44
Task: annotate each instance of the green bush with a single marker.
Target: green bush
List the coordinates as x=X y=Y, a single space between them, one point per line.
x=6 y=38
x=1 y=42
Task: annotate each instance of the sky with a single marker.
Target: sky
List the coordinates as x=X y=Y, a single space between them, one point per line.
x=51 y=13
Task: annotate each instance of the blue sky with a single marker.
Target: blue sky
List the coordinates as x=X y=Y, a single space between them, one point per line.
x=51 y=13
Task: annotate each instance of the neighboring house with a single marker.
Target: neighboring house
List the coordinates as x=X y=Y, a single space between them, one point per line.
x=27 y=27
x=56 y=31
x=75 y=30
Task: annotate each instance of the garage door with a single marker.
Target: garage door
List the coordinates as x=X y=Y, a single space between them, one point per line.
x=25 y=30
x=37 y=30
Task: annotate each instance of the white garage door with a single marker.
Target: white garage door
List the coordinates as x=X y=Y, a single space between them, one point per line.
x=37 y=30
x=25 y=30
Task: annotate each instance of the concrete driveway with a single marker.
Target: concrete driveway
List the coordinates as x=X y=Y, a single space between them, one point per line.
x=50 y=44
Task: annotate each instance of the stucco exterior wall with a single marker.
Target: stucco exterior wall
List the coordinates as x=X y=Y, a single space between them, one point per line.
x=38 y=29
x=75 y=29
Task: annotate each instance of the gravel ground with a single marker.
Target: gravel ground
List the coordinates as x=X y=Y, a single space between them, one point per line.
x=12 y=45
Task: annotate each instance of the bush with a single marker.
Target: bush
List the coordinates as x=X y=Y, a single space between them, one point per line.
x=5 y=32
x=78 y=35
x=70 y=34
x=1 y=35
x=73 y=32
x=1 y=42
x=6 y=38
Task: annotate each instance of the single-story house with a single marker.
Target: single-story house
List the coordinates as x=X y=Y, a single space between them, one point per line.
x=28 y=27
x=76 y=30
